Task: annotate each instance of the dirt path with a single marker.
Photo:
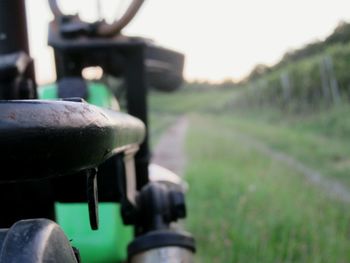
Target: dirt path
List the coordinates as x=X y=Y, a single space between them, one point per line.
x=170 y=152
x=331 y=186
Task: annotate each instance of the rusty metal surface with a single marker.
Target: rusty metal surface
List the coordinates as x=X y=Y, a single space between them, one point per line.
x=45 y=138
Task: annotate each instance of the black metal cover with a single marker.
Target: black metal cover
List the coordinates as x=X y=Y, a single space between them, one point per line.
x=35 y=241
x=49 y=138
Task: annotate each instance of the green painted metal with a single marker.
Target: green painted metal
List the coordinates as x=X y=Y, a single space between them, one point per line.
x=109 y=243
x=48 y=92
x=98 y=94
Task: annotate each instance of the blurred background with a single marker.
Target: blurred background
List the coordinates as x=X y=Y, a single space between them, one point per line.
x=262 y=117
x=222 y=39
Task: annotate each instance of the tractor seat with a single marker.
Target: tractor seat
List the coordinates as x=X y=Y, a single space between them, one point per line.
x=40 y=139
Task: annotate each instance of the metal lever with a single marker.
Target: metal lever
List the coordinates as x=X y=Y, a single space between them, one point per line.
x=92 y=197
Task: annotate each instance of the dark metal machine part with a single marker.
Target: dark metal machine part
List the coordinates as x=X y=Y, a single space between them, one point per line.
x=38 y=139
x=111 y=183
x=161 y=238
x=164 y=68
x=92 y=196
x=40 y=135
x=74 y=26
x=14 y=38
x=76 y=47
x=13 y=64
x=13 y=82
x=35 y=241
x=117 y=57
x=159 y=205
x=25 y=199
x=72 y=88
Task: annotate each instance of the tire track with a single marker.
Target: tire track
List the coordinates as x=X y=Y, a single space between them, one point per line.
x=170 y=152
x=333 y=187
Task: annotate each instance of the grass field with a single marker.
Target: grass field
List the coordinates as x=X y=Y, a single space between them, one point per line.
x=246 y=206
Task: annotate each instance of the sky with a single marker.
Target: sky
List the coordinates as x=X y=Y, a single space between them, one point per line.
x=222 y=39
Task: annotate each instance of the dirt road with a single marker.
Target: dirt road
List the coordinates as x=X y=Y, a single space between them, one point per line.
x=170 y=150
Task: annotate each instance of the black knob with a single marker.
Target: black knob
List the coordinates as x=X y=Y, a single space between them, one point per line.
x=178 y=205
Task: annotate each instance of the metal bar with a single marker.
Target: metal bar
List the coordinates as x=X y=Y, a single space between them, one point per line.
x=13 y=27
x=30 y=199
x=136 y=88
x=13 y=30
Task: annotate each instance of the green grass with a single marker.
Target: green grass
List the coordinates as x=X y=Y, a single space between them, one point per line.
x=307 y=143
x=189 y=100
x=245 y=206
x=165 y=108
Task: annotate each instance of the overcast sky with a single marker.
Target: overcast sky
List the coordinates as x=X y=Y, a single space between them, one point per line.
x=220 y=38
